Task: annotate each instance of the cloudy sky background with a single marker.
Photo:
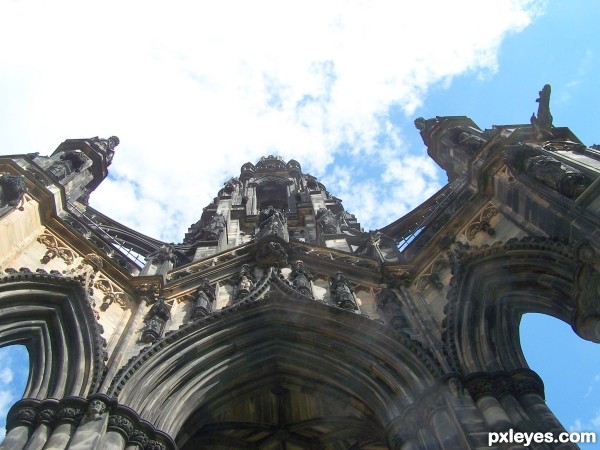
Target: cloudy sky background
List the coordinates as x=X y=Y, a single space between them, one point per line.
x=194 y=90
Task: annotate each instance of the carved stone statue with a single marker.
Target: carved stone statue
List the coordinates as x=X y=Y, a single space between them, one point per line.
x=214 y=229
x=341 y=292
x=544 y=168
x=156 y=320
x=107 y=146
x=271 y=254
x=165 y=253
x=271 y=223
x=204 y=300
x=464 y=138
x=245 y=283
x=12 y=189
x=543 y=122
x=301 y=278
x=95 y=409
x=327 y=221
x=70 y=161
x=391 y=310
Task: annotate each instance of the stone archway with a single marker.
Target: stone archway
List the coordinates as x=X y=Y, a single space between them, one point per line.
x=493 y=287
x=52 y=318
x=277 y=371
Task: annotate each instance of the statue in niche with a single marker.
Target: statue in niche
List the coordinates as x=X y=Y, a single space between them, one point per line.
x=214 y=229
x=424 y=126
x=271 y=223
x=341 y=292
x=542 y=124
x=311 y=183
x=391 y=309
x=164 y=253
x=107 y=146
x=301 y=278
x=560 y=177
x=465 y=138
x=204 y=300
x=327 y=221
x=245 y=283
x=155 y=320
x=229 y=187
x=12 y=189
x=71 y=161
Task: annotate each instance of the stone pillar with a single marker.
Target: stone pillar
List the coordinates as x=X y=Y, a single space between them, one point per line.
x=529 y=390
x=70 y=412
x=91 y=428
x=20 y=423
x=481 y=389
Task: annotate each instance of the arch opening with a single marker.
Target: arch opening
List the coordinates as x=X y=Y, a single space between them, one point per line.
x=14 y=376
x=569 y=367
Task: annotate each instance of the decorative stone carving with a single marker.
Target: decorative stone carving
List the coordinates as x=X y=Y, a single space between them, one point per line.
x=549 y=171
x=121 y=424
x=391 y=309
x=478 y=385
x=301 y=278
x=424 y=126
x=107 y=146
x=482 y=223
x=564 y=146
x=70 y=161
x=341 y=292
x=271 y=223
x=95 y=409
x=271 y=254
x=327 y=221
x=70 y=414
x=12 y=189
x=586 y=316
x=55 y=248
x=21 y=415
x=203 y=300
x=465 y=138
x=140 y=438
x=526 y=381
x=155 y=320
x=245 y=283
x=542 y=124
x=214 y=229
x=431 y=277
x=112 y=294
x=165 y=253
x=147 y=291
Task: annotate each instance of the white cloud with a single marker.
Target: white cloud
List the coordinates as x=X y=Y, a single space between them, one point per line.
x=591 y=424
x=6 y=375
x=197 y=89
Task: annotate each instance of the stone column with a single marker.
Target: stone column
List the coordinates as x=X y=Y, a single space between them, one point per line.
x=20 y=423
x=481 y=389
x=70 y=412
x=529 y=390
x=91 y=428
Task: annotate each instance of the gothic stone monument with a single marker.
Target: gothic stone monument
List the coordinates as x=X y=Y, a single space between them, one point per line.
x=278 y=323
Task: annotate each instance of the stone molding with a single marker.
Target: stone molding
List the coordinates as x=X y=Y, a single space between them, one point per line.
x=30 y=412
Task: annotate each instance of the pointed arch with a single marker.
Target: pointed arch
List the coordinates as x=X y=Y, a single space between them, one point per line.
x=493 y=287
x=51 y=316
x=304 y=347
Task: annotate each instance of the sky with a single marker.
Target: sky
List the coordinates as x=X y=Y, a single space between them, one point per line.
x=196 y=89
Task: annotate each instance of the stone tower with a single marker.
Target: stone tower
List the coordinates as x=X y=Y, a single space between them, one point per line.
x=278 y=323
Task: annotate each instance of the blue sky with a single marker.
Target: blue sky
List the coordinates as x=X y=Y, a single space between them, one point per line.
x=335 y=86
